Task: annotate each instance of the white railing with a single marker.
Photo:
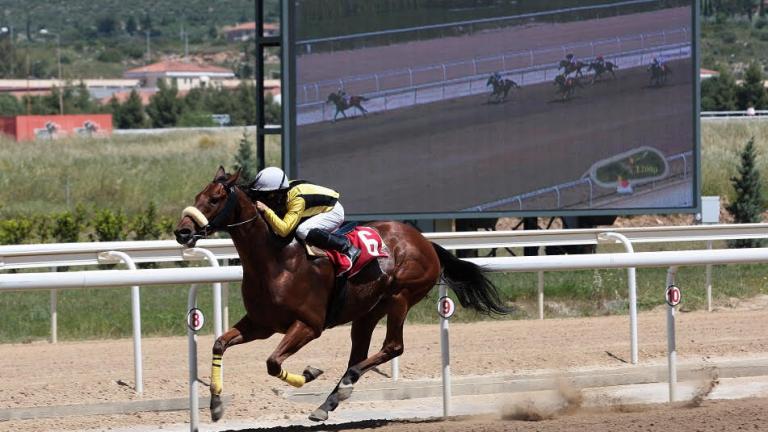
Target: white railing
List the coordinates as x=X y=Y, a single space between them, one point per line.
x=731 y=115
x=14 y=257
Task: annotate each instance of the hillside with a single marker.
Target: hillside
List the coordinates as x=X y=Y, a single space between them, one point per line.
x=103 y=41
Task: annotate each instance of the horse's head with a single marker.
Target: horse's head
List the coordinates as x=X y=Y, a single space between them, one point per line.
x=332 y=98
x=213 y=210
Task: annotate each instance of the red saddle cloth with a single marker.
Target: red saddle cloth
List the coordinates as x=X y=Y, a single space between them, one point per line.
x=370 y=244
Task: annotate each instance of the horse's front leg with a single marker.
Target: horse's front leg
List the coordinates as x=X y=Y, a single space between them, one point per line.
x=298 y=335
x=244 y=331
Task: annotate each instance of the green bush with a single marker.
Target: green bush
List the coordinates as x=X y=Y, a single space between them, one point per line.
x=109 y=225
x=15 y=231
x=69 y=225
x=43 y=226
x=146 y=225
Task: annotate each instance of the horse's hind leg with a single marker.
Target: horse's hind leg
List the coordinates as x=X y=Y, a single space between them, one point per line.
x=396 y=310
x=244 y=331
x=298 y=335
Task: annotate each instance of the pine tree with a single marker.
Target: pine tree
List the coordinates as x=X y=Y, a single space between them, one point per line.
x=719 y=93
x=748 y=205
x=132 y=112
x=752 y=93
x=164 y=107
x=244 y=159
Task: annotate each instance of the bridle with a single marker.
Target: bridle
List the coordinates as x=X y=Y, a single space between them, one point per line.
x=217 y=224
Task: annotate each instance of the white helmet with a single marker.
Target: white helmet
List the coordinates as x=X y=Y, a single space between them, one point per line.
x=270 y=179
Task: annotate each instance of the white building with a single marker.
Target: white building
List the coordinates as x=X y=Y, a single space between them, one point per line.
x=186 y=75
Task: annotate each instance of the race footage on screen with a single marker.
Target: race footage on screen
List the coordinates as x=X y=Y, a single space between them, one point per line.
x=419 y=107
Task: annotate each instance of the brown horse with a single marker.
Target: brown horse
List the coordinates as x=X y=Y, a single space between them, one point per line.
x=344 y=103
x=286 y=291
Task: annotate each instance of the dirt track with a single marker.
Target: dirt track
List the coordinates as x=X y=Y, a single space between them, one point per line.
x=530 y=142
x=40 y=374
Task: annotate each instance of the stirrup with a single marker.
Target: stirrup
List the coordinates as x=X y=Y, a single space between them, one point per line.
x=353 y=254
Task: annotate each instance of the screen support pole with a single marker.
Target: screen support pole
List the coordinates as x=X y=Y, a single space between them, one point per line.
x=262 y=42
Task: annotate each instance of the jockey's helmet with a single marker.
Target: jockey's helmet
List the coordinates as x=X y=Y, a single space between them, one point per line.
x=270 y=179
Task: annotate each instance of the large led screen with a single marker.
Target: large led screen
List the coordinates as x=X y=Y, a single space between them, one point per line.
x=455 y=107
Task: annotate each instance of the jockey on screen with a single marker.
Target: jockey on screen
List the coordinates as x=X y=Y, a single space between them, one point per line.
x=600 y=60
x=312 y=211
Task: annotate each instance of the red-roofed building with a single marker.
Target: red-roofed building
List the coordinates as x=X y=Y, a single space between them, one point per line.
x=708 y=73
x=247 y=31
x=186 y=75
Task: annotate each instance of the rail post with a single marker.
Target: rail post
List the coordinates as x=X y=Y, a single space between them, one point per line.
x=194 y=403
x=445 y=352
x=540 y=284
x=632 y=281
x=54 y=314
x=192 y=253
x=671 y=345
x=114 y=257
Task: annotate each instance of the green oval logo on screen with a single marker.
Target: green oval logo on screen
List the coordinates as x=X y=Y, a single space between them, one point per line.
x=640 y=165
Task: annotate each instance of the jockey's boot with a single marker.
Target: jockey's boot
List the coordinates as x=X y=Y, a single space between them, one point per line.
x=327 y=240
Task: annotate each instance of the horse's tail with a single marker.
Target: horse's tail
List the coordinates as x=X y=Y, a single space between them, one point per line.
x=470 y=284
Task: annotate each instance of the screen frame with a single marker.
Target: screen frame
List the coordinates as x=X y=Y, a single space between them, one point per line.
x=290 y=152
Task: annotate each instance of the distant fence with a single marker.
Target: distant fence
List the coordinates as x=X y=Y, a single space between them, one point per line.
x=582 y=191
x=738 y=115
x=474 y=83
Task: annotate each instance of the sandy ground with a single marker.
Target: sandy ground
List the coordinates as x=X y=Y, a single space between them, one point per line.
x=40 y=374
x=721 y=416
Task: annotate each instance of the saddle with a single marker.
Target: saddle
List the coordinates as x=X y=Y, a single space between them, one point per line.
x=367 y=239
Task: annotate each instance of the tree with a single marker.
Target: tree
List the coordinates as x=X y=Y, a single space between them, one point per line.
x=131 y=26
x=9 y=105
x=244 y=159
x=113 y=107
x=752 y=93
x=132 y=114
x=164 y=107
x=106 y=25
x=719 y=93
x=748 y=205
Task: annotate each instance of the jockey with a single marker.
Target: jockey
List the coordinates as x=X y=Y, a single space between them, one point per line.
x=312 y=211
x=343 y=95
x=497 y=76
x=600 y=60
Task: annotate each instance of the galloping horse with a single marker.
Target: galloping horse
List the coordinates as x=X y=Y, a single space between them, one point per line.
x=600 y=68
x=566 y=86
x=286 y=291
x=659 y=74
x=569 y=66
x=344 y=103
x=501 y=87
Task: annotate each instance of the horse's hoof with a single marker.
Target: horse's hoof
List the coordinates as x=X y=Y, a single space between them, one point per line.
x=319 y=415
x=345 y=391
x=217 y=408
x=310 y=374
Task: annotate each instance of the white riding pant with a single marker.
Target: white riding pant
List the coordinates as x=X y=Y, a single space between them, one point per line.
x=328 y=221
